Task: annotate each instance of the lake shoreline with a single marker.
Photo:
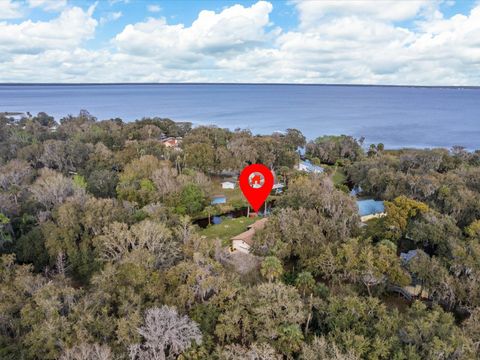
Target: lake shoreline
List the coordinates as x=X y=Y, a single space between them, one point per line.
x=397 y=116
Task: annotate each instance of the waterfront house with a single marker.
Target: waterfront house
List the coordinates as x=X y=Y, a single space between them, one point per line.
x=15 y=116
x=370 y=209
x=228 y=185
x=307 y=166
x=244 y=241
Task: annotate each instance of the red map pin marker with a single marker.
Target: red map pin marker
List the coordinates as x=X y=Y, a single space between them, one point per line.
x=256 y=182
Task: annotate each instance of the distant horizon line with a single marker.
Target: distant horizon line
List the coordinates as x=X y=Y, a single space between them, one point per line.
x=240 y=84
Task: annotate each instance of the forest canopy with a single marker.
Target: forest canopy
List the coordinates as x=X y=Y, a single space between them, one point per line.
x=103 y=255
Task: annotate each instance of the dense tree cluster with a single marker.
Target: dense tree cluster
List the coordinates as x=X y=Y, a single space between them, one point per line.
x=446 y=181
x=330 y=149
x=100 y=259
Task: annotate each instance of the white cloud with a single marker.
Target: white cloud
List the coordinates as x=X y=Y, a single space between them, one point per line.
x=9 y=10
x=341 y=43
x=233 y=29
x=73 y=26
x=313 y=12
x=154 y=8
x=49 y=5
x=112 y=16
x=336 y=42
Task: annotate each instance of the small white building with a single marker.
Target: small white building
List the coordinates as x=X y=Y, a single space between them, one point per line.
x=228 y=185
x=242 y=242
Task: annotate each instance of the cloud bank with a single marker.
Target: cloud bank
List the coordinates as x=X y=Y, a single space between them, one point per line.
x=352 y=42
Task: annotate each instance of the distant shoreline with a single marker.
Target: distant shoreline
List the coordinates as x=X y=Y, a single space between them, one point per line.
x=248 y=84
x=397 y=116
x=365 y=146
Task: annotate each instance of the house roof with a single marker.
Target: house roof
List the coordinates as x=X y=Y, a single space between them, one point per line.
x=171 y=140
x=370 y=207
x=228 y=182
x=247 y=236
x=259 y=224
x=309 y=167
x=408 y=256
x=228 y=173
x=219 y=199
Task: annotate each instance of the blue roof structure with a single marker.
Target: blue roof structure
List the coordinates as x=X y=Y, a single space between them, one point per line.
x=370 y=207
x=219 y=200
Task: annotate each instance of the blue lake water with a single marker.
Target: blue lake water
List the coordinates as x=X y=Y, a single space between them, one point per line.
x=396 y=116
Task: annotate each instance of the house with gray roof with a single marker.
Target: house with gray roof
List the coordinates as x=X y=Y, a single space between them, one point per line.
x=307 y=166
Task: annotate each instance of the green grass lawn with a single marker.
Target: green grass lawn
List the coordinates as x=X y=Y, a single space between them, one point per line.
x=227 y=229
x=339 y=176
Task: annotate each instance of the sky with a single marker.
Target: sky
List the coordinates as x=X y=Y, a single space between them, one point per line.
x=379 y=42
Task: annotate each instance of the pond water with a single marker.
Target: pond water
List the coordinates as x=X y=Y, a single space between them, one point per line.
x=217 y=219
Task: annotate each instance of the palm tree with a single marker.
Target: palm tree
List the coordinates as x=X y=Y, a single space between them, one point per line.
x=210 y=210
x=305 y=282
x=290 y=338
x=271 y=268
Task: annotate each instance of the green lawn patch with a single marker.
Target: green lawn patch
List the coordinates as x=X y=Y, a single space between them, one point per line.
x=227 y=229
x=339 y=176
